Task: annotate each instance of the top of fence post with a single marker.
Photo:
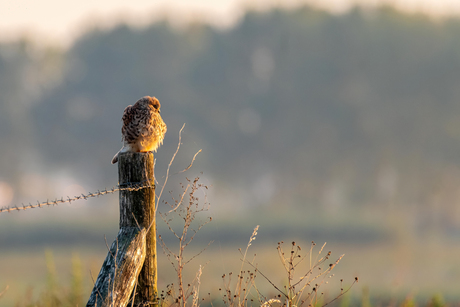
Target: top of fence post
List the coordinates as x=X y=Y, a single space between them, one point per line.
x=136 y=168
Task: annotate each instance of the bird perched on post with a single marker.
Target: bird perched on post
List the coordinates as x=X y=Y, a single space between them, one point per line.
x=143 y=128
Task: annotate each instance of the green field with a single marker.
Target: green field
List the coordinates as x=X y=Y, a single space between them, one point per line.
x=393 y=265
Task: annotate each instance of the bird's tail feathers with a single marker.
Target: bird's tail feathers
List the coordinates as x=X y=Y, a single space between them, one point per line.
x=115 y=158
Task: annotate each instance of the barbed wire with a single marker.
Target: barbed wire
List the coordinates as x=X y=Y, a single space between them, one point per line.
x=130 y=186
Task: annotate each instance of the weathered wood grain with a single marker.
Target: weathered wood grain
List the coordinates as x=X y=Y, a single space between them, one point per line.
x=132 y=256
x=120 y=270
x=138 y=207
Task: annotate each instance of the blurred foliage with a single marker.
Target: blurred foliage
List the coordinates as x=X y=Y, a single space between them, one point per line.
x=59 y=293
x=54 y=293
x=437 y=301
x=330 y=127
x=302 y=110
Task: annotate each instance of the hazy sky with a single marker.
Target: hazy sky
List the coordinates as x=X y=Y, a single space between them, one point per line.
x=60 y=21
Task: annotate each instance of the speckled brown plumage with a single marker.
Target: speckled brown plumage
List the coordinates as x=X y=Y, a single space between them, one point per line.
x=143 y=128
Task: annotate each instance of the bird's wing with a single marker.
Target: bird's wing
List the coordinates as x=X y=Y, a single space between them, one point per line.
x=130 y=129
x=127 y=115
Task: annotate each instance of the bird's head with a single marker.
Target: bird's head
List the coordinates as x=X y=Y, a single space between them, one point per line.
x=152 y=101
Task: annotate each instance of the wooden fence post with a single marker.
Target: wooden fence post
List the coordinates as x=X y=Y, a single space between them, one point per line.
x=138 y=208
x=118 y=276
x=132 y=255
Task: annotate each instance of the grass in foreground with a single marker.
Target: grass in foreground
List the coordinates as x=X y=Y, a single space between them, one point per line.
x=55 y=294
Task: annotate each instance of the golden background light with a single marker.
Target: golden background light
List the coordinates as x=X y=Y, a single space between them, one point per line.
x=60 y=22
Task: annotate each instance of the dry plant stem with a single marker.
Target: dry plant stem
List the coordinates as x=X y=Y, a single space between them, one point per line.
x=170 y=163
x=94 y=283
x=245 y=282
x=191 y=163
x=323 y=274
x=252 y=238
x=244 y=287
x=187 y=212
x=296 y=297
x=196 y=290
x=268 y=279
x=320 y=251
x=4 y=290
x=182 y=238
x=169 y=166
x=180 y=201
x=311 y=250
x=240 y=275
x=342 y=293
x=309 y=272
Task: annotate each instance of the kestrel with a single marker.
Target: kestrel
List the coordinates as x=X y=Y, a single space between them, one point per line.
x=143 y=128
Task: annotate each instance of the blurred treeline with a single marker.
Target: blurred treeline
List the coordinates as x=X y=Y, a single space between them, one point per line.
x=357 y=112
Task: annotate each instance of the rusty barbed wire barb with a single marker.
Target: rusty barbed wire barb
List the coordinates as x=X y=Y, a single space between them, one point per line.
x=131 y=186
